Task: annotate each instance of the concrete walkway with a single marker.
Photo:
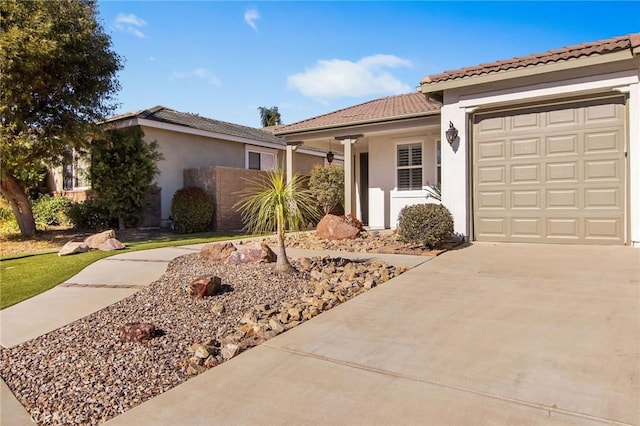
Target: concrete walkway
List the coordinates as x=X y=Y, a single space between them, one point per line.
x=493 y=333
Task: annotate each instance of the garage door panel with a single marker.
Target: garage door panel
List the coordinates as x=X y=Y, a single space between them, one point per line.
x=562 y=145
x=551 y=174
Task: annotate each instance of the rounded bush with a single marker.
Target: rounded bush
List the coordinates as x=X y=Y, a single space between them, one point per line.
x=192 y=210
x=90 y=214
x=428 y=224
x=52 y=211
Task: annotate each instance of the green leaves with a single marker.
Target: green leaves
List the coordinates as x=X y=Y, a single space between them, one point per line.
x=327 y=187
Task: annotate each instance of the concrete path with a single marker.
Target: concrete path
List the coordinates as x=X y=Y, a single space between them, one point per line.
x=489 y=334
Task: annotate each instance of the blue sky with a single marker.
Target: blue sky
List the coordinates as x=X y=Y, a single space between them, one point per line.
x=223 y=60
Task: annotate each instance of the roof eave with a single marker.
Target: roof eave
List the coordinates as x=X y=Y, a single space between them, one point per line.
x=526 y=71
x=359 y=123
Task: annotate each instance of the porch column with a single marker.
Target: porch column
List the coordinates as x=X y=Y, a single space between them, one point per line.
x=348 y=142
x=291 y=146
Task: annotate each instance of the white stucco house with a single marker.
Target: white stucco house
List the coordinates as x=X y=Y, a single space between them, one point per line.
x=189 y=141
x=543 y=148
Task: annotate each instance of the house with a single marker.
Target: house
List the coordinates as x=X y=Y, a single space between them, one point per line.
x=539 y=148
x=187 y=142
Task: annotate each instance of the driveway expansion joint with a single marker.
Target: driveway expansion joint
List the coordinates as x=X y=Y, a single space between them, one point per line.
x=101 y=285
x=137 y=260
x=549 y=409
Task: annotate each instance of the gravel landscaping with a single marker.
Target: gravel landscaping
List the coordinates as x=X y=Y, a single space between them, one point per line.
x=84 y=374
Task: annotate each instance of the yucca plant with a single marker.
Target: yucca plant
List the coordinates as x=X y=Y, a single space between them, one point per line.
x=270 y=204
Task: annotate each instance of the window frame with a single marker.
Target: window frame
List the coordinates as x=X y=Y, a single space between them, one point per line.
x=262 y=153
x=411 y=145
x=76 y=164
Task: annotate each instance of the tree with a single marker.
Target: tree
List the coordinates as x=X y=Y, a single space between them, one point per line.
x=57 y=79
x=269 y=203
x=327 y=186
x=269 y=116
x=123 y=169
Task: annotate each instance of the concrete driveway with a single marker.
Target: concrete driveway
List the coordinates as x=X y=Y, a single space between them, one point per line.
x=488 y=334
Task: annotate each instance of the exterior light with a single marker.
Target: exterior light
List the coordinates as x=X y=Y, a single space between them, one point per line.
x=451 y=133
x=330 y=154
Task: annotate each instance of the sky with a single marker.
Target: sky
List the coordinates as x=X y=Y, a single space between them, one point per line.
x=223 y=60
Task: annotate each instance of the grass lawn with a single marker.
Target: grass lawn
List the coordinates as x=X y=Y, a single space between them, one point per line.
x=25 y=276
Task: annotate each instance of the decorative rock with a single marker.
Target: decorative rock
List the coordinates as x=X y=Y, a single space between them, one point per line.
x=73 y=247
x=245 y=255
x=201 y=351
x=94 y=241
x=217 y=309
x=111 y=244
x=229 y=350
x=333 y=227
x=268 y=255
x=137 y=332
x=217 y=251
x=276 y=325
x=204 y=286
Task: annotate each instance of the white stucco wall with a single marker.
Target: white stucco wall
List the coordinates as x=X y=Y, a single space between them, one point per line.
x=459 y=104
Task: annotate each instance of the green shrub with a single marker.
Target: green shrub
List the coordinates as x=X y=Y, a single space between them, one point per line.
x=90 y=214
x=327 y=186
x=52 y=211
x=192 y=210
x=8 y=223
x=428 y=224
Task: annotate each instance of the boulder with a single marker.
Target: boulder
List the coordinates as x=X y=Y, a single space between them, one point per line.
x=94 y=241
x=217 y=251
x=204 y=286
x=252 y=254
x=137 y=332
x=73 y=247
x=111 y=244
x=333 y=227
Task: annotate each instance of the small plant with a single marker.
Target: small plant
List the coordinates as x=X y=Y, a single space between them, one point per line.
x=327 y=186
x=352 y=220
x=52 y=211
x=430 y=225
x=435 y=192
x=90 y=214
x=192 y=210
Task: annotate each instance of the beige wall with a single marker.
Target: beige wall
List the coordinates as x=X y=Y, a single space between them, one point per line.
x=182 y=151
x=304 y=163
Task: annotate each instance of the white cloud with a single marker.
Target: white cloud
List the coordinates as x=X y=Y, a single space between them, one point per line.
x=198 y=74
x=335 y=78
x=250 y=18
x=131 y=24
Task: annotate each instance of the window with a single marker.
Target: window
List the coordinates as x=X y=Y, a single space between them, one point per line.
x=75 y=171
x=260 y=160
x=409 y=167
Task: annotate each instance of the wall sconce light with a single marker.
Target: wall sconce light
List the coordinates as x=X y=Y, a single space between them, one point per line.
x=451 y=133
x=330 y=154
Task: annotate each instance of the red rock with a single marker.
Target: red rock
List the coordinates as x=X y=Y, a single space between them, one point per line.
x=137 y=332
x=204 y=286
x=217 y=251
x=333 y=227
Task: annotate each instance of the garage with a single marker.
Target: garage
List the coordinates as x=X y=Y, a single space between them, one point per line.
x=551 y=173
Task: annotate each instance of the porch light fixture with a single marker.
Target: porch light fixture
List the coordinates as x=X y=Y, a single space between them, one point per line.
x=330 y=154
x=451 y=133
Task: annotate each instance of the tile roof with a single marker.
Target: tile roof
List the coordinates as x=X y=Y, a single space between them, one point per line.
x=630 y=41
x=383 y=109
x=166 y=115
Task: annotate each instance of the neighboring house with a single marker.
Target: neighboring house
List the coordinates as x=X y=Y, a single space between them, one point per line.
x=189 y=141
x=547 y=146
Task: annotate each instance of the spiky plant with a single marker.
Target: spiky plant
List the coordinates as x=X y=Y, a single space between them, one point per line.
x=270 y=204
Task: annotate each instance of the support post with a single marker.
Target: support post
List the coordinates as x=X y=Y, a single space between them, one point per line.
x=291 y=147
x=348 y=142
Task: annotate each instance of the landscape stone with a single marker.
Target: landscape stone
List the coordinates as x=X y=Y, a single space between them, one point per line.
x=94 y=241
x=137 y=332
x=111 y=244
x=217 y=309
x=217 y=251
x=333 y=227
x=73 y=247
x=204 y=286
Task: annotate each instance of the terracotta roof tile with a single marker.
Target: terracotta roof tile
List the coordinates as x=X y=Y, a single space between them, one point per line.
x=631 y=41
x=166 y=115
x=391 y=107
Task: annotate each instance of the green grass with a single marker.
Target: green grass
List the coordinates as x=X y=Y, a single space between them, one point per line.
x=25 y=276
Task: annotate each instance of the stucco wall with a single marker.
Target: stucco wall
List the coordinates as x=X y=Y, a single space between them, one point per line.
x=304 y=163
x=182 y=151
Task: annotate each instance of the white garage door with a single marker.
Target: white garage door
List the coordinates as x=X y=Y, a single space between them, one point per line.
x=552 y=174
